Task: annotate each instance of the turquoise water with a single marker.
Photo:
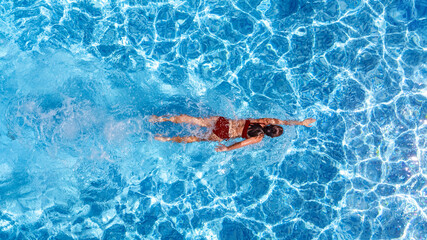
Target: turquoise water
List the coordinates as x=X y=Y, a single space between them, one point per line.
x=79 y=80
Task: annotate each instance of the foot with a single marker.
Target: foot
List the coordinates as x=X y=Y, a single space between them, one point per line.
x=162 y=139
x=156 y=119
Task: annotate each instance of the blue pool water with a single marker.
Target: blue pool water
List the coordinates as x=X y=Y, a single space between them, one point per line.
x=79 y=80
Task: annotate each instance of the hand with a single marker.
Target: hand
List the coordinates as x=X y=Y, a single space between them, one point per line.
x=221 y=148
x=308 y=121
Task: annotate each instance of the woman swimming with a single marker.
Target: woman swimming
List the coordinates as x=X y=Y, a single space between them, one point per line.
x=253 y=130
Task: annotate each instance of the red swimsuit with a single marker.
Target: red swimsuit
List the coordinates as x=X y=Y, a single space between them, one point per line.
x=222 y=127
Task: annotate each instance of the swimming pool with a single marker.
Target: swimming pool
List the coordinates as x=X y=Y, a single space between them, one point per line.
x=79 y=80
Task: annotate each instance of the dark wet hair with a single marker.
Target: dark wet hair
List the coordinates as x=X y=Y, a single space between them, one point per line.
x=256 y=129
x=273 y=130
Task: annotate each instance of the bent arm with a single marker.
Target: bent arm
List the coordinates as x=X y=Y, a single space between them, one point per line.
x=243 y=143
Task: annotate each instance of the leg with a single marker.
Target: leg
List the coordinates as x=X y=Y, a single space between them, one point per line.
x=180 y=139
x=203 y=122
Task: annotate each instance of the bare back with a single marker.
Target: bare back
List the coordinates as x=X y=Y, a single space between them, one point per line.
x=237 y=126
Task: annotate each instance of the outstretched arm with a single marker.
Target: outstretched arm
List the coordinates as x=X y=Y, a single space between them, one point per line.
x=243 y=143
x=306 y=122
x=274 y=121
